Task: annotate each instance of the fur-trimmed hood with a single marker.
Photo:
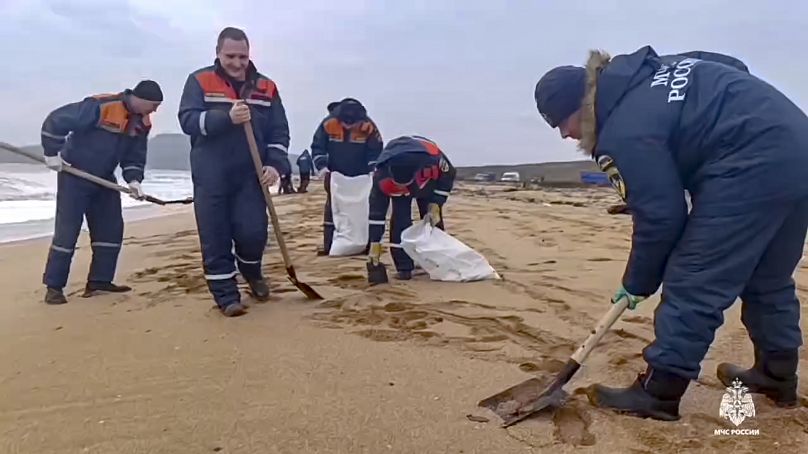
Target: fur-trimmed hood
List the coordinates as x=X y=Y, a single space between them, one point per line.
x=589 y=134
x=607 y=81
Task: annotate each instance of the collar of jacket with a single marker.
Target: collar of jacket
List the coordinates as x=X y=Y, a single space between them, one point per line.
x=249 y=79
x=126 y=97
x=589 y=134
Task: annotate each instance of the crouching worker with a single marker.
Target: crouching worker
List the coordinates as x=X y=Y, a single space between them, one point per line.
x=95 y=135
x=660 y=125
x=409 y=167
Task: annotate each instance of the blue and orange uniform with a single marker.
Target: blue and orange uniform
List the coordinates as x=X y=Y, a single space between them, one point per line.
x=660 y=125
x=409 y=167
x=96 y=135
x=229 y=205
x=347 y=141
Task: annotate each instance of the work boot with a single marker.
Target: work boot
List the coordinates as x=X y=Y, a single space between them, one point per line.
x=654 y=394
x=404 y=275
x=774 y=375
x=95 y=287
x=259 y=289
x=234 y=310
x=55 y=296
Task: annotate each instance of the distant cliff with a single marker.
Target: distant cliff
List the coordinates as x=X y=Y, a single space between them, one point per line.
x=166 y=152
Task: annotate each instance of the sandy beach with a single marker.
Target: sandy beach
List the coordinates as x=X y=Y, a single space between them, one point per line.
x=390 y=369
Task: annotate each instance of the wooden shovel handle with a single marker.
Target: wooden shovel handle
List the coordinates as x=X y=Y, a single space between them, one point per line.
x=259 y=170
x=603 y=325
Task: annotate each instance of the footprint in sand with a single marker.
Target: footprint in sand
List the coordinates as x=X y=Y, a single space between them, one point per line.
x=572 y=425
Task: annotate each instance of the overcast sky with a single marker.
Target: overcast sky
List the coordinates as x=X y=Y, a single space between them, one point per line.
x=459 y=72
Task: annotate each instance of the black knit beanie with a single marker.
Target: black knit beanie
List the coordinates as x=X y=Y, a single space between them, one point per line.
x=148 y=90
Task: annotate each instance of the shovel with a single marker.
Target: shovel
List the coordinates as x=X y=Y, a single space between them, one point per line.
x=290 y=269
x=377 y=273
x=90 y=177
x=520 y=401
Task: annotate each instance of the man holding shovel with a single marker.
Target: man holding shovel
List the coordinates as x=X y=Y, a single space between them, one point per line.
x=95 y=135
x=229 y=204
x=660 y=125
x=410 y=167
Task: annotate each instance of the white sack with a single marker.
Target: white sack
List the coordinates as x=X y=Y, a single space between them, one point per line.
x=444 y=257
x=349 y=209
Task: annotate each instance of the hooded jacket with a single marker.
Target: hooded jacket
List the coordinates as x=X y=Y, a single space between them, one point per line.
x=660 y=125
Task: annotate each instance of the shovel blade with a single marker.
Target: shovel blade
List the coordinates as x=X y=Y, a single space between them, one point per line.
x=377 y=273
x=524 y=399
x=302 y=286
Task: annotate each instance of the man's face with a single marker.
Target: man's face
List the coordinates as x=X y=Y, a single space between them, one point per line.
x=234 y=57
x=142 y=106
x=571 y=126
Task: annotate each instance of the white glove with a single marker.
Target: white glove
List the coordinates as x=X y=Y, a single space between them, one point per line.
x=321 y=173
x=136 y=191
x=54 y=162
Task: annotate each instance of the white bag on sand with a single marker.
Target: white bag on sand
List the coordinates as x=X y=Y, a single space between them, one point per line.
x=444 y=257
x=349 y=209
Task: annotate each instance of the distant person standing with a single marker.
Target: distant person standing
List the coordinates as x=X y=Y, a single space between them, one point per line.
x=305 y=168
x=231 y=213
x=286 y=183
x=95 y=135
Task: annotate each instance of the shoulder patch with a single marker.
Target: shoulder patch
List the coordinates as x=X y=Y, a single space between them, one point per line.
x=607 y=165
x=444 y=165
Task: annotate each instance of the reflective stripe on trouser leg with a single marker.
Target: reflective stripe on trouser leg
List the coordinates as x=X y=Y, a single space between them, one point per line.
x=215 y=238
x=105 y=222
x=71 y=201
x=250 y=224
x=712 y=263
x=399 y=221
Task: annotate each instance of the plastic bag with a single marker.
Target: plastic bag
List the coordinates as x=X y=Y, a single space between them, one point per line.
x=444 y=257
x=349 y=208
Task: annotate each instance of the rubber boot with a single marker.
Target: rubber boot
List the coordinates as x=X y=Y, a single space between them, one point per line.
x=654 y=394
x=774 y=375
x=259 y=289
x=55 y=296
x=404 y=275
x=234 y=310
x=94 y=287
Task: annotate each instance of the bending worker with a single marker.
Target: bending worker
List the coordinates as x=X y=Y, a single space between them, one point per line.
x=231 y=213
x=660 y=125
x=346 y=141
x=95 y=135
x=410 y=167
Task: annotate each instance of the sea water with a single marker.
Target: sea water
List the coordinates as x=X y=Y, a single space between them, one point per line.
x=28 y=198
